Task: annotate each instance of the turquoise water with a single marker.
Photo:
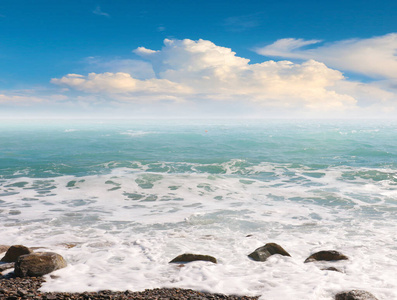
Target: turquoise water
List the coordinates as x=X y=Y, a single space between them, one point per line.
x=40 y=149
x=135 y=193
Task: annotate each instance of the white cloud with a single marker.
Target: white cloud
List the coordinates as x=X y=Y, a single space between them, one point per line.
x=201 y=72
x=143 y=50
x=16 y=99
x=26 y=98
x=374 y=57
x=286 y=47
x=28 y=103
x=217 y=73
x=119 y=83
x=136 y=68
x=99 y=12
x=161 y=28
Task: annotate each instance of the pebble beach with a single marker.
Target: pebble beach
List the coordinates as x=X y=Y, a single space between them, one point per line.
x=13 y=288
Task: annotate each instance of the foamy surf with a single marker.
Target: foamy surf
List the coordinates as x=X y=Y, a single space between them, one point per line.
x=118 y=213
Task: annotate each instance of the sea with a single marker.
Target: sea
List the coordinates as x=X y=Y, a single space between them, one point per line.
x=119 y=199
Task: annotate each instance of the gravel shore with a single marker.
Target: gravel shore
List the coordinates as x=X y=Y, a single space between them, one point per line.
x=13 y=288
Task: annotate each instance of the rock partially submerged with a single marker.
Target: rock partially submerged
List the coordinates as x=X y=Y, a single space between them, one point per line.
x=328 y=255
x=38 y=264
x=14 y=252
x=331 y=269
x=189 y=257
x=355 y=295
x=264 y=252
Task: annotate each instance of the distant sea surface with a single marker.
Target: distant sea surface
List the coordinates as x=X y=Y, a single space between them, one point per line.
x=120 y=199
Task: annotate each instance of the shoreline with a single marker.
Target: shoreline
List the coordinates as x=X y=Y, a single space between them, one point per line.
x=13 y=288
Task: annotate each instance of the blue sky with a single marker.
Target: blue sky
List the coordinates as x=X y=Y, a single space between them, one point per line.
x=228 y=58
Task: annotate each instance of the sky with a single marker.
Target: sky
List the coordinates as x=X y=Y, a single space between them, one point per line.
x=197 y=59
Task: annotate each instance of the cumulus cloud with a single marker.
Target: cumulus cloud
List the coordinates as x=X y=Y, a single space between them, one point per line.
x=137 y=68
x=201 y=72
x=373 y=57
x=218 y=73
x=119 y=83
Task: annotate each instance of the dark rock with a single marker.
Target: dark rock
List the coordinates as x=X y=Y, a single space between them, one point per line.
x=355 y=295
x=329 y=255
x=38 y=264
x=21 y=292
x=188 y=257
x=264 y=252
x=14 y=252
x=331 y=269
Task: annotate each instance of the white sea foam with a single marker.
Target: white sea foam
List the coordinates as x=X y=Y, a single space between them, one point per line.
x=135 y=133
x=127 y=225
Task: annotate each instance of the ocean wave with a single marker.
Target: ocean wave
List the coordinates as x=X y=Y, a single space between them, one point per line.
x=136 y=133
x=134 y=221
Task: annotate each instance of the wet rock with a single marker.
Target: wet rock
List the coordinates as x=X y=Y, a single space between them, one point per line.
x=328 y=255
x=264 y=252
x=355 y=295
x=14 y=252
x=188 y=257
x=21 y=292
x=331 y=269
x=38 y=264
